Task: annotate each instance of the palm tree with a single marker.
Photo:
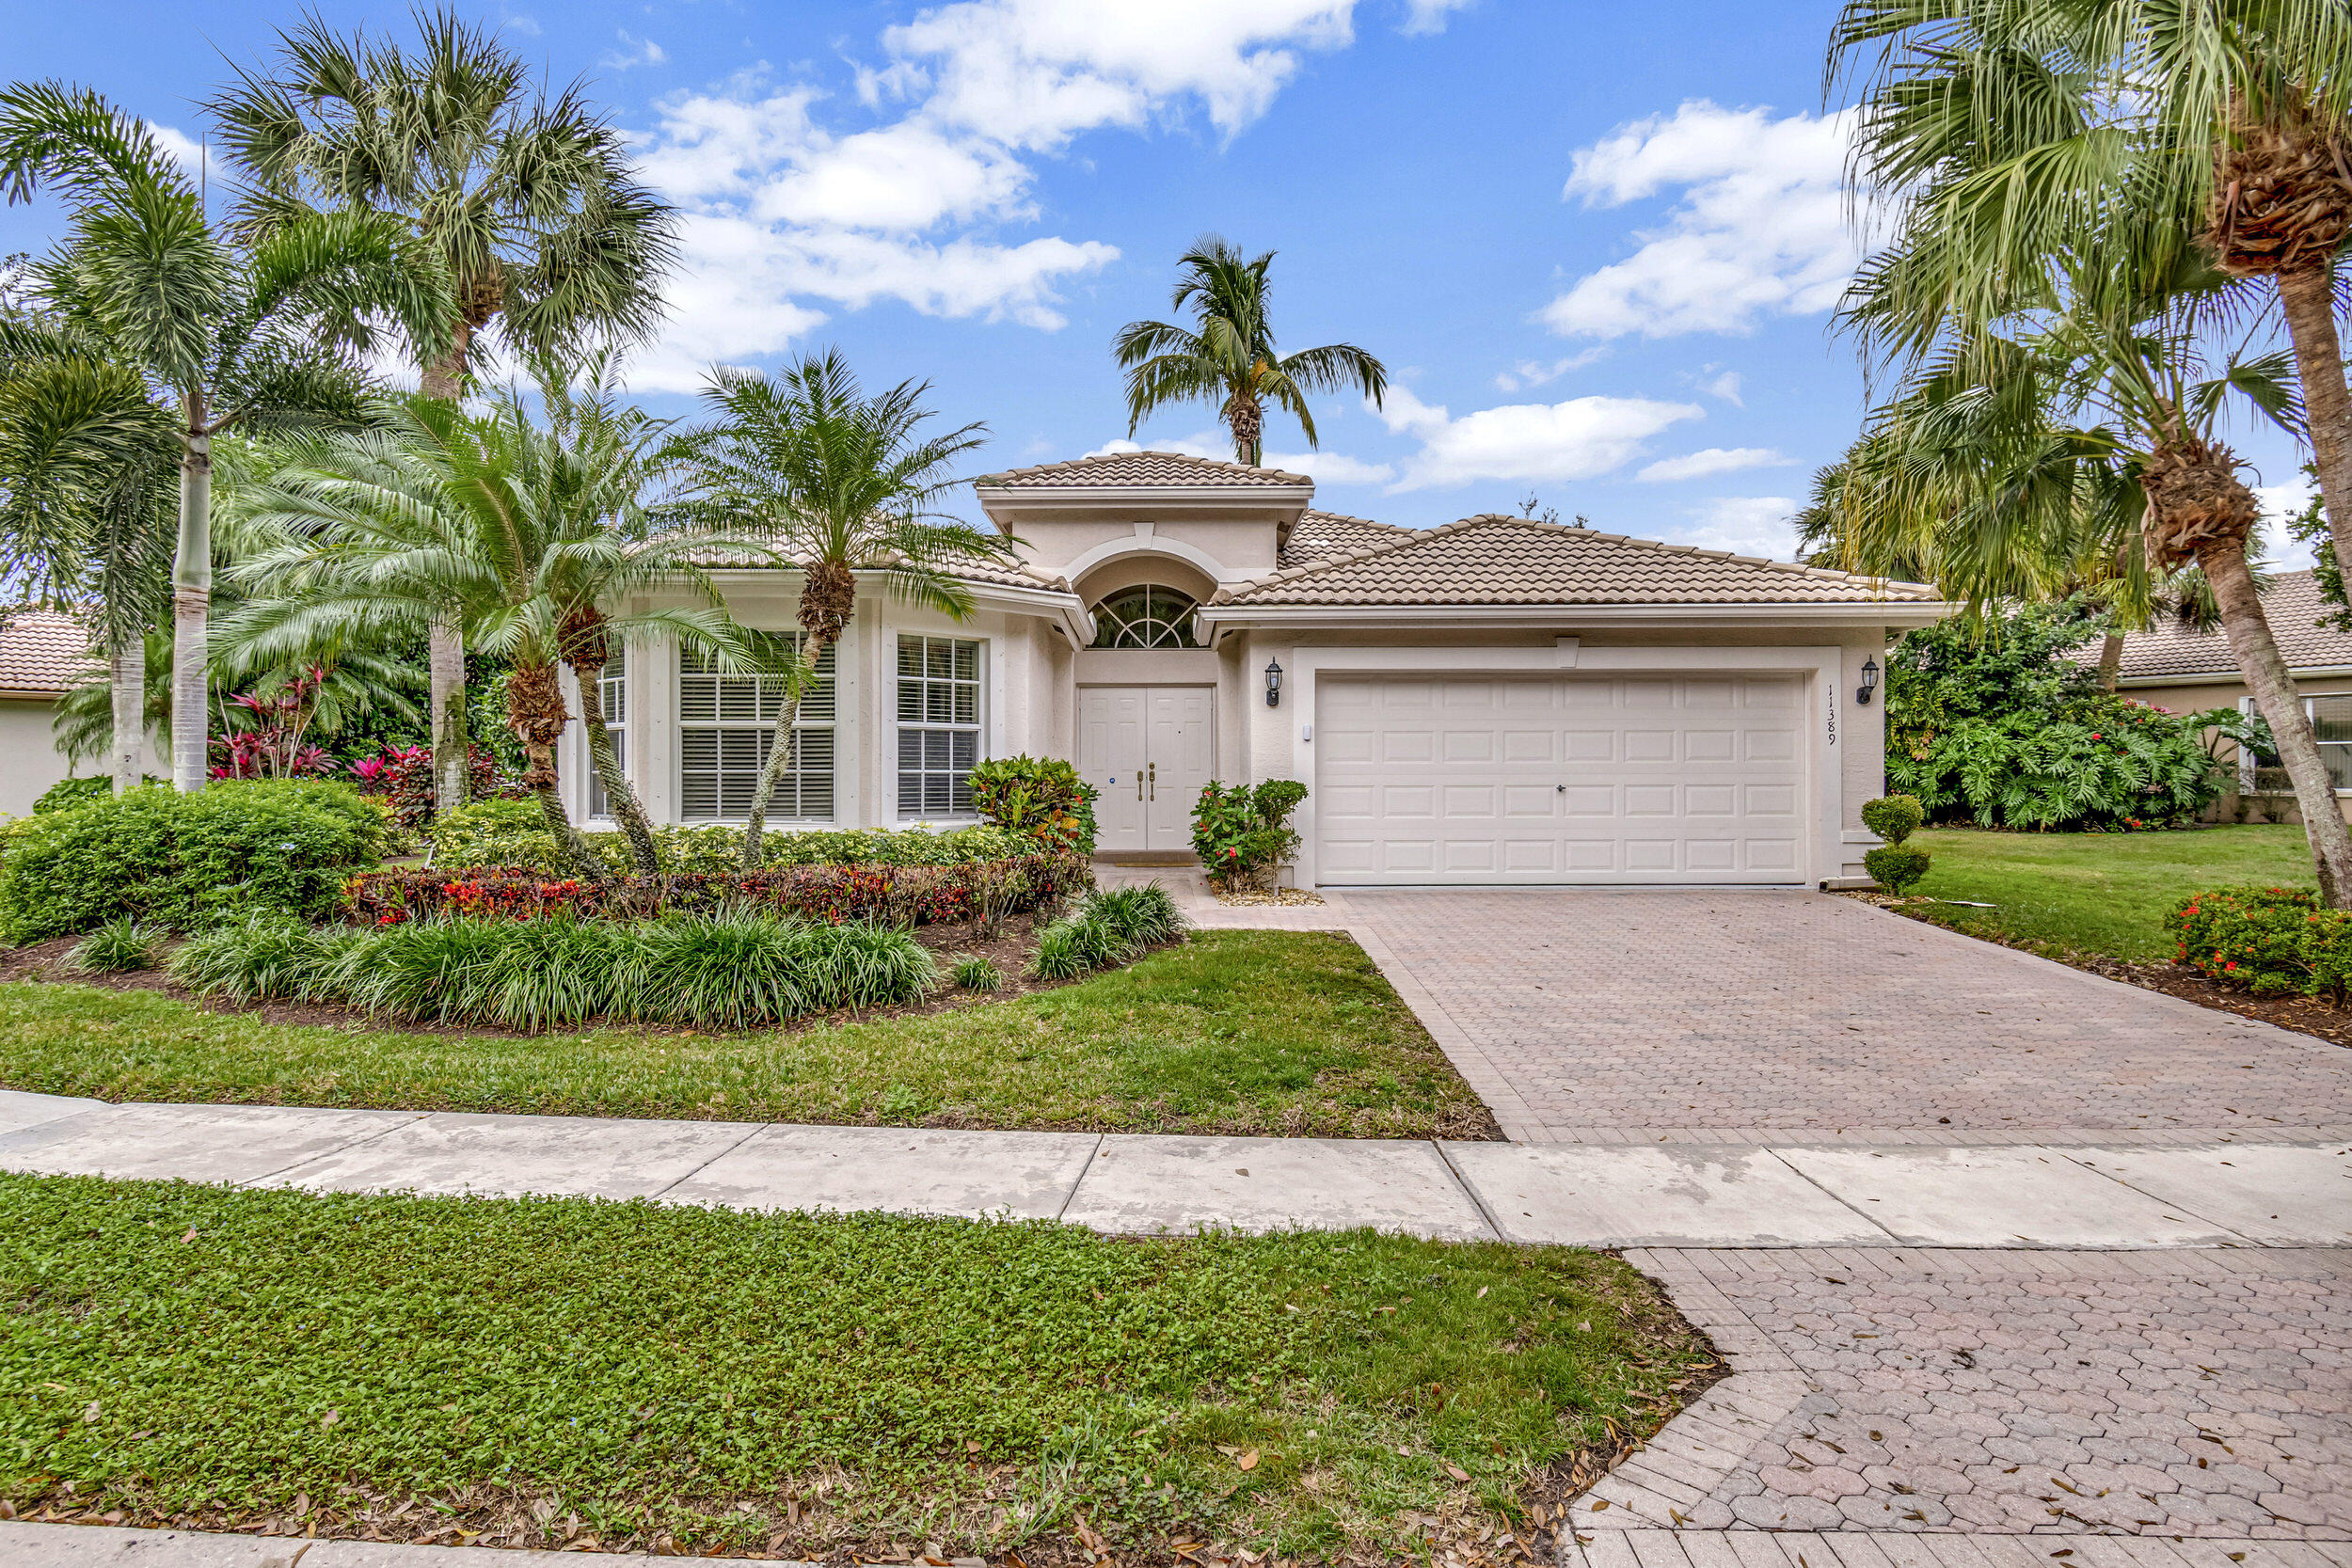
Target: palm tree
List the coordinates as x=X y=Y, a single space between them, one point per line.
x=1229 y=360
x=2007 y=127
x=522 y=536
x=530 y=203
x=840 y=483
x=236 y=341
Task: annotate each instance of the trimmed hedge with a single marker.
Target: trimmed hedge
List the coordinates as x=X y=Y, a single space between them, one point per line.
x=155 y=855
x=893 y=895
x=512 y=835
x=2272 y=941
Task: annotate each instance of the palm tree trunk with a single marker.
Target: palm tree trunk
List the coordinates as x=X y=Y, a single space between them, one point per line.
x=568 y=842
x=445 y=661
x=2267 y=676
x=780 y=752
x=127 y=679
x=191 y=607
x=636 y=828
x=536 y=712
x=2110 y=660
x=2308 y=296
x=445 y=376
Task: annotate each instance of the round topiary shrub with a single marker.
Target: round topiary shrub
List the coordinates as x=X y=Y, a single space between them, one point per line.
x=1894 y=817
x=1896 y=867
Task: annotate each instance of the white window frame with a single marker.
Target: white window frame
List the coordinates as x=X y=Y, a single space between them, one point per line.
x=612 y=701
x=957 y=806
x=2246 y=765
x=757 y=700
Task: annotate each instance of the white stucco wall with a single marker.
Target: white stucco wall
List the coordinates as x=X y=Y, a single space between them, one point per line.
x=30 y=761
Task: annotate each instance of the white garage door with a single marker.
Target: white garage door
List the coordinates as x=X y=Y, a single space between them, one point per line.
x=1632 y=779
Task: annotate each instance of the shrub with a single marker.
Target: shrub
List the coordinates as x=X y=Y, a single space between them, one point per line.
x=1108 y=927
x=120 y=944
x=263 y=957
x=2272 y=941
x=512 y=835
x=975 y=972
x=1894 y=817
x=1896 y=867
x=68 y=793
x=1038 y=796
x=235 y=848
x=1243 y=835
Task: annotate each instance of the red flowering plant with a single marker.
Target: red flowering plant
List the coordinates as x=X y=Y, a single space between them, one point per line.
x=402 y=776
x=2272 y=941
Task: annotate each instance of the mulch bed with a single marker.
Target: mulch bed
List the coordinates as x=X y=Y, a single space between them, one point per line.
x=1009 y=949
x=2305 y=1015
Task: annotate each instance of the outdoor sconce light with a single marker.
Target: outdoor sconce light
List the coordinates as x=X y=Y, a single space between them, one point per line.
x=1274 y=683
x=1869 y=680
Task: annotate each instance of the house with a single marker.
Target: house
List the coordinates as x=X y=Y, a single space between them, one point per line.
x=2183 y=670
x=1496 y=700
x=42 y=657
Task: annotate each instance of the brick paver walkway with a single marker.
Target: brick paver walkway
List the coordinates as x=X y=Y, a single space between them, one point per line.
x=1739 y=1017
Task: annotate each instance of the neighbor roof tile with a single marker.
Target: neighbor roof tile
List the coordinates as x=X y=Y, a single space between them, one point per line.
x=45 y=652
x=2290 y=604
x=1142 y=470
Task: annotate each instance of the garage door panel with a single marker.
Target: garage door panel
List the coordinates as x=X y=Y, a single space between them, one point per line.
x=1570 y=779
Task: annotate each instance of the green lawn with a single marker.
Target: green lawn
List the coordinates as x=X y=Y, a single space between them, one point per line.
x=2104 y=894
x=566 y=1372
x=1242 y=1032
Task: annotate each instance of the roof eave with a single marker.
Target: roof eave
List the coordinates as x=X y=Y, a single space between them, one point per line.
x=1875 y=612
x=1189 y=495
x=2232 y=672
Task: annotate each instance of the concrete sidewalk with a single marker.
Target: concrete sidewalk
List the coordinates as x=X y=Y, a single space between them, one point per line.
x=1661 y=1195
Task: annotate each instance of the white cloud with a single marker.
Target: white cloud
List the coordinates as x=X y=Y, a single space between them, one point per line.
x=1535 y=373
x=790 y=214
x=1725 y=386
x=1744 y=524
x=180 y=147
x=633 y=52
x=2280 y=502
x=1331 y=467
x=1580 y=438
x=1714 y=460
x=1428 y=16
x=1759 y=229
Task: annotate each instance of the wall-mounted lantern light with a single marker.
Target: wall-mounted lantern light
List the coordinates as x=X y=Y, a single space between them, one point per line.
x=1274 y=683
x=1869 y=680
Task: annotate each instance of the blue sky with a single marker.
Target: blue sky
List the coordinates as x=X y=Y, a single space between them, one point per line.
x=1595 y=245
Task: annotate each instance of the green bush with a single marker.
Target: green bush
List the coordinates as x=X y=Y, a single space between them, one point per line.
x=514 y=834
x=1895 y=867
x=1894 y=817
x=1041 y=797
x=975 y=972
x=235 y=847
x=2271 y=941
x=1243 y=834
x=1108 y=927
x=263 y=957
x=68 y=793
x=121 y=943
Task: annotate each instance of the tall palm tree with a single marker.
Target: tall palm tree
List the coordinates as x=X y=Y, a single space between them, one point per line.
x=530 y=203
x=2004 y=127
x=1227 y=358
x=236 y=341
x=840 y=482
x=524 y=536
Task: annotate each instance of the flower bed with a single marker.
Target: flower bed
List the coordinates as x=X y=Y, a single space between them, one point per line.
x=2272 y=941
x=896 y=894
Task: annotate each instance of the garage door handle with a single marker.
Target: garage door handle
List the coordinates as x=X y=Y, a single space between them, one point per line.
x=1559 y=789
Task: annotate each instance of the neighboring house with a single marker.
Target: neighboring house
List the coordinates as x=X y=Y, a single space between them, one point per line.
x=2190 y=672
x=1496 y=700
x=42 y=657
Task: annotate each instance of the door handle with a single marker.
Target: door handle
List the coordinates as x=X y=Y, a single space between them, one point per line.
x=1139 y=787
x=1151 y=772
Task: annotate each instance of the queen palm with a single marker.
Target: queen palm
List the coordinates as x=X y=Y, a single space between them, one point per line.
x=522 y=535
x=234 y=340
x=840 y=483
x=2006 y=127
x=1227 y=358
x=529 y=202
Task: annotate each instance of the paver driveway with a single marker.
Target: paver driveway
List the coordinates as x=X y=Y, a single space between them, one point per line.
x=1722 y=1017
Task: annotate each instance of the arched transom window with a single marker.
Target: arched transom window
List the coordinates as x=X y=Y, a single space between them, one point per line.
x=1144 y=617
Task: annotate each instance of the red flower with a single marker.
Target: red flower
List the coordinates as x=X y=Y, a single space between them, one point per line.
x=2094 y=735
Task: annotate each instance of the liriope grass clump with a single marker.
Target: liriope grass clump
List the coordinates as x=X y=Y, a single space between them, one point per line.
x=120 y=944
x=263 y=957
x=1105 y=928
x=973 y=972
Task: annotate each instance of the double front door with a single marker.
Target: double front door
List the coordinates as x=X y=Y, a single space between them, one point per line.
x=1149 y=748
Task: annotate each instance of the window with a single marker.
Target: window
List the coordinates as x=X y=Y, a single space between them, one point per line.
x=1146 y=617
x=2331 y=724
x=726 y=724
x=939 y=725
x=612 y=701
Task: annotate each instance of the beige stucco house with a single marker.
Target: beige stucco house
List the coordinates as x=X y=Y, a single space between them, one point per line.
x=42 y=657
x=1497 y=701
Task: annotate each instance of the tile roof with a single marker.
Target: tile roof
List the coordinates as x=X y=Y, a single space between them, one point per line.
x=1496 y=560
x=1142 y=470
x=2290 y=604
x=43 y=651
x=1328 y=535
x=1008 y=573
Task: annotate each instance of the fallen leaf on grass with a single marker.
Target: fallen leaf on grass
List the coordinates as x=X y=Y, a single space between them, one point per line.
x=1455 y=1470
x=1247 y=1461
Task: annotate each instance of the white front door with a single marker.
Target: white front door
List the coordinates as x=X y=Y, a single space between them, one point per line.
x=1149 y=748
x=1583 y=779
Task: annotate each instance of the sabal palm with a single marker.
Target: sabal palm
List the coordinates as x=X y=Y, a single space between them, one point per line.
x=246 y=340
x=841 y=484
x=529 y=202
x=2005 y=129
x=1227 y=358
x=524 y=535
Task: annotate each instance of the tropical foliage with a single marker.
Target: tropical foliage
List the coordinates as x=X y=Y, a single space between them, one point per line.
x=512 y=835
x=1243 y=834
x=1040 y=796
x=2271 y=941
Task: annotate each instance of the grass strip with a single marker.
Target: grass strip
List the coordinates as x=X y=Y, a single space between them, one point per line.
x=1239 y=1032
x=574 y=1372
